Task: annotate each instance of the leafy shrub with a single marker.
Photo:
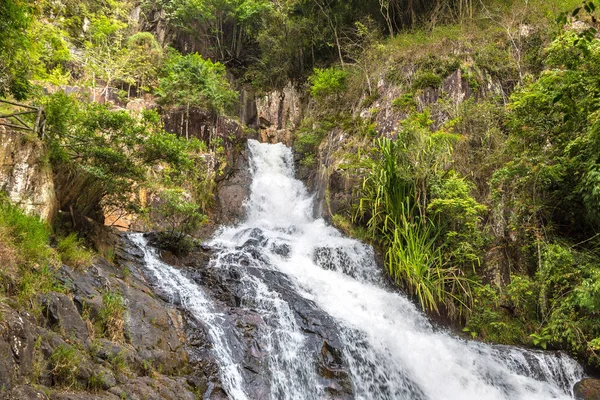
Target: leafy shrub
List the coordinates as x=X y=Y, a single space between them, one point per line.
x=145 y=59
x=191 y=80
x=115 y=150
x=552 y=148
x=182 y=215
x=490 y=322
x=307 y=144
x=425 y=79
x=557 y=308
x=307 y=139
x=496 y=61
x=405 y=102
x=327 y=82
x=458 y=218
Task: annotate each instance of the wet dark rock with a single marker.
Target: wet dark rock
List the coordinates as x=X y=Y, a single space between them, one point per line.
x=61 y=313
x=161 y=337
x=158 y=337
x=253 y=242
x=154 y=330
x=587 y=389
x=216 y=392
x=233 y=189
x=282 y=249
x=229 y=287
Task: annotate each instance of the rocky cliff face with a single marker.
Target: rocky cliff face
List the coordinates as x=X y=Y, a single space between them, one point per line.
x=279 y=114
x=334 y=185
x=25 y=174
x=159 y=350
x=63 y=354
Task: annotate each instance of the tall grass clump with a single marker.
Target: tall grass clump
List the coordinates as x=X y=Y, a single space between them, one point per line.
x=28 y=260
x=64 y=365
x=112 y=316
x=394 y=203
x=73 y=252
x=28 y=234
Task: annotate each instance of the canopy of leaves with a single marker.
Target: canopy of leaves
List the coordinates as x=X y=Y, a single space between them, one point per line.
x=113 y=149
x=555 y=137
x=327 y=82
x=191 y=80
x=15 y=19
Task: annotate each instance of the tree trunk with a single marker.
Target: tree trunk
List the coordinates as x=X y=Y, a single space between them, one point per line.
x=187 y=122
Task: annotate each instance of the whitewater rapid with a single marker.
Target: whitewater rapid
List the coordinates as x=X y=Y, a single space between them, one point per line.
x=390 y=349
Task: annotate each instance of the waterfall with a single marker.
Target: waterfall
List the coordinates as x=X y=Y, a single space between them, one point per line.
x=286 y=259
x=173 y=283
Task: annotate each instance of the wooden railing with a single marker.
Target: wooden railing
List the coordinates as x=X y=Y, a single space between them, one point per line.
x=14 y=120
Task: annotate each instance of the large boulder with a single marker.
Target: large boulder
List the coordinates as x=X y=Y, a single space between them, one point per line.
x=61 y=313
x=587 y=389
x=17 y=341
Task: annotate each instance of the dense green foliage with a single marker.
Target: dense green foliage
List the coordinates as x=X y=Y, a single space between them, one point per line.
x=14 y=70
x=193 y=81
x=516 y=175
x=551 y=168
x=554 y=136
x=27 y=258
x=423 y=216
x=328 y=82
x=262 y=42
x=114 y=150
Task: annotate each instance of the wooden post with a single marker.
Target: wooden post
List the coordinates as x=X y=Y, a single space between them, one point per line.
x=38 y=120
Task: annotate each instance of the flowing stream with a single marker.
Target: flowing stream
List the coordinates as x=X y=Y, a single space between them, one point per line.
x=388 y=348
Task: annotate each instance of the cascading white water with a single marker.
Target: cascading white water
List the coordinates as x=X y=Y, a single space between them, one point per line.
x=177 y=286
x=392 y=350
x=389 y=348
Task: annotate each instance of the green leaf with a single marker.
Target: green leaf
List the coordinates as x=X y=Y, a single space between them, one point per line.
x=557 y=98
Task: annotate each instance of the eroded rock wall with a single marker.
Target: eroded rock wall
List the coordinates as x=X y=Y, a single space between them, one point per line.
x=25 y=174
x=279 y=114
